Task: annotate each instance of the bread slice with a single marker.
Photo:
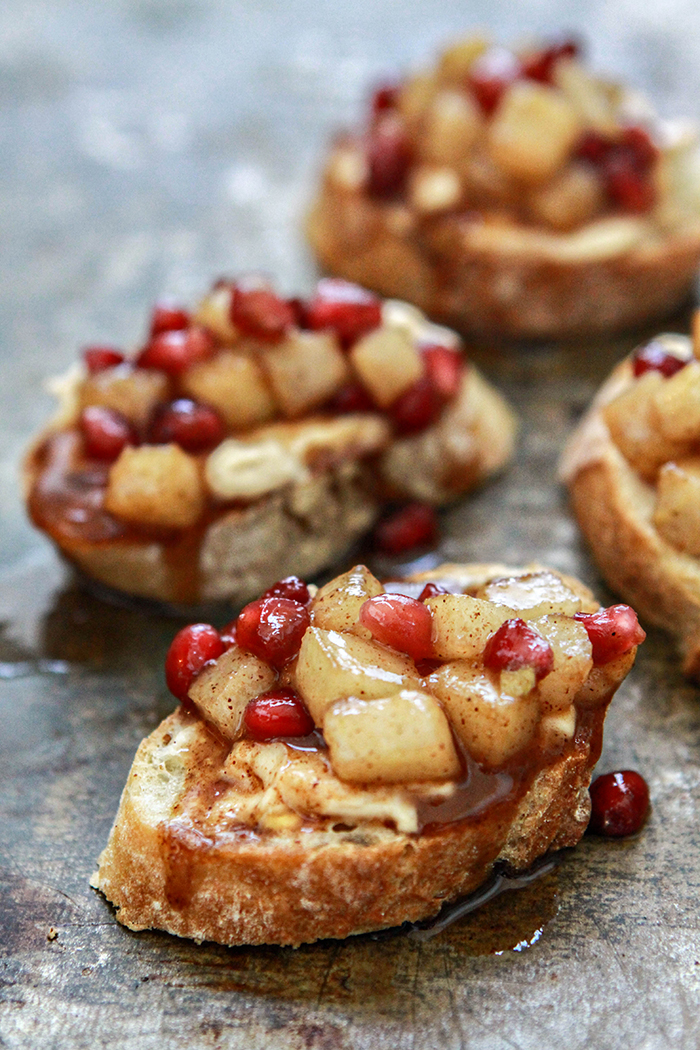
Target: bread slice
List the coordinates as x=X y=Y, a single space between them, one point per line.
x=219 y=837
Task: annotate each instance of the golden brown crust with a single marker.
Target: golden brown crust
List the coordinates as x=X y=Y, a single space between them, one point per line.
x=447 y=268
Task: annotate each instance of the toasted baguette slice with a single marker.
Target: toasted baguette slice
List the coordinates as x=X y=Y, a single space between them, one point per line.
x=219 y=837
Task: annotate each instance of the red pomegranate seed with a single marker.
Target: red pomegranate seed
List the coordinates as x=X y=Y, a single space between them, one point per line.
x=430 y=590
x=384 y=97
x=613 y=632
x=619 y=803
x=290 y=587
x=190 y=425
x=593 y=147
x=174 y=352
x=350 y=398
x=272 y=629
x=643 y=151
x=278 y=713
x=515 y=645
x=540 y=66
x=259 y=312
x=345 y=308
x=97 y=358
x=417 y=407
x=444 y=368
x=632 y=190
x=389 y=157
x=189 y=651
x=400 y=622
x=412 y=526
x=653 y=357
x=491 y=74
x=105 y=432
x=228 y=635
x=168 y=316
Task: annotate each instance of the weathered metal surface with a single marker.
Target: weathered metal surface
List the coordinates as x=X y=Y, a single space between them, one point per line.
x=148 y=146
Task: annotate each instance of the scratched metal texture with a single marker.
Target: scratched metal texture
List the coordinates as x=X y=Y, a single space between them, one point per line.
x=147 y=146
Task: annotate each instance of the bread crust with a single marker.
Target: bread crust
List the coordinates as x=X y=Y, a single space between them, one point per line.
x=520 y=288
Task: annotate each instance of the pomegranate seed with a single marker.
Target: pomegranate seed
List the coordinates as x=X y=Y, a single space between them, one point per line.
x=272 y=629
x=384 y=97
x=192 y=426
x=412 y=526
x=259 y=312
x=625 y=166
x=389 y=157
x=593 y=147
x=278 y=713
x=290 y=587
x=491 y=74
x=540 y=66
x=619 y=803
x=168 y=316
x=105 y=432
x=613 y=632
x=417 y=407
x=189 y=651
x=346 y=308
x=426 y=667
x=632 y=190
x=653 y=357
x=228 y=635
x=97 y=358
x=430 y=590
x=350 y=398
x=444 y=367
x=643 y=151
x=400 y=622
x=516 y=644
x=298 y=308
x=174 y=351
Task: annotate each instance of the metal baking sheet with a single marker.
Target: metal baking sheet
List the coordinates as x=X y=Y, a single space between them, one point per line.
x=147 y=147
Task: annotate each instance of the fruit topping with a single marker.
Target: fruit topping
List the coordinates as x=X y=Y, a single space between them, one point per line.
x=175 y=351
x=105 y=432
x=384 y=97
x=417 y=407
x=400 y=622
x=192 y=426
x=613 y=632
x=259 y=312
x=413 y=526
x=625 y=165
x=619 y=803
x=168 y=316
x=275 y=714
x=389 y=157
x=540 y=65
x=97 y=358
x=346 y=308
x=654 y=357
x=189 y=651
x=491 y=74
x=516 y=644
x=444 y=367
x=290 y=587
x=430 y=590
x=272 y=628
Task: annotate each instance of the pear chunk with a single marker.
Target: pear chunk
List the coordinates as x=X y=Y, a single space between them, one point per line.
x=462 y=624
x=223 y=690
x=234 y=385
x=677 y=513
x=337 y=605
x=533 y=595
x=387 y=362
x=573 y=661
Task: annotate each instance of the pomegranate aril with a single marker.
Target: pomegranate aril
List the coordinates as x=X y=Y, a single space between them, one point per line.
x=593 y=147
x=279 y=713
x=491 y=75
x=400 y=622
x=105 y=432
x=261 y=313
x=653 y=357
x=272 y=629
x=632 y=190
x=516 y=645
x=168 y=316
x=413 y=526
x=430 y=590
x=97 y=358
x=444 y=368
x=641 y=149
x=384 y=97
x=389 y=157
x=417 y=407
x=174 y=352
x=291 y=587
x=348 y=309
x=192 y=426
x=612 y=632
x=189 y=651
x=540 y=66
x=619 y=803
x=350 y=398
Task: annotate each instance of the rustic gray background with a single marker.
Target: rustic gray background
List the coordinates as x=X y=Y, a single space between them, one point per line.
x=147 y=146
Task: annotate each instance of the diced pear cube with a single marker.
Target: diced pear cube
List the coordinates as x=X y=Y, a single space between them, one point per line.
x=398 y=739
x=451 y=125
x=456 y=61
x=573 y=197
x=677 y=512
x=235 y=386
x=222 y=690
x=134 y=392
x=631 y=420
x=157 y=485
x=415 y=96
x=387 y=362
x=533 y=131
x=214 y=313
x=492 y=725
x=592 y=100
x=675 y=406
x=304 y=370
x=559 y=727
x=533 y=595
x=573 y=661
x=434 y=189
x=519 y=682
x=604 y=680
x=347 y=167
x=462 y=625
x=334 y=665
x=337 y=605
